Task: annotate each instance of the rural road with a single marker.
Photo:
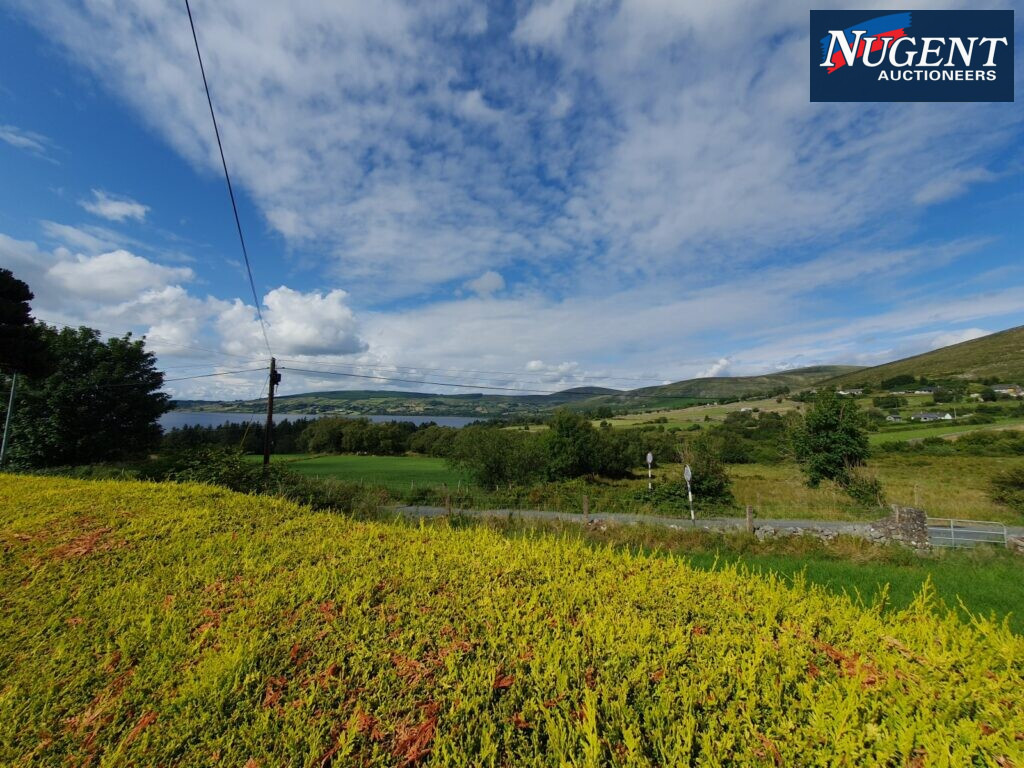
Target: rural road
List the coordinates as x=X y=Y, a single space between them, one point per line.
x=711 y=523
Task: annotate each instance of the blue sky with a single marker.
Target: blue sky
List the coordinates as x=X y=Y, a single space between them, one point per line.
x=546 y=194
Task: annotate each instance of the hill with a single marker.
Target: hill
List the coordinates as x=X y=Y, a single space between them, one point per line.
x=998 y=355
x=392 y=403
x=149 y=624
x=727 y=387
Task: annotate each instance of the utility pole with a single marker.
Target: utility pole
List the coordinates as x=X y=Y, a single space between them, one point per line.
x=275 y=379
x=7 y=419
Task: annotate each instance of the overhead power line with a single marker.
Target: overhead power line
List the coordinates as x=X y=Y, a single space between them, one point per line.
x=227 y=178
x=187 y=378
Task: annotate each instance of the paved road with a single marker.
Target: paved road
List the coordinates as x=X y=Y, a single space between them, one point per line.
x=708 y=523
x=711 y=523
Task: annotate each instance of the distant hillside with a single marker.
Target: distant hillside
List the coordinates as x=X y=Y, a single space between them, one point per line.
x=721 y=387
x=680 y=393
x=358 y=402
x=999 y=355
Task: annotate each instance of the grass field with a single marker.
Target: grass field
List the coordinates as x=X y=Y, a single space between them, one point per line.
x=149 y=624
x=684 y=417
x=916 y=432
x=394 y=472
x=944 y=486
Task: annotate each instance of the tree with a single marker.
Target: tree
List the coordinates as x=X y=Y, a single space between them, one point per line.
x=101 y=403
x=22 y=347
x=830 y=441
x=710 y=482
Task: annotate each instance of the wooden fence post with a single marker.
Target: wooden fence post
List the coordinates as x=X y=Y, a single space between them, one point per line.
x=750 y=519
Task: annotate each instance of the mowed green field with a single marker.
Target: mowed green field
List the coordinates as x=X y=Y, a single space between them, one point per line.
x=918 y=432
x=395 y=472
x=699 y=414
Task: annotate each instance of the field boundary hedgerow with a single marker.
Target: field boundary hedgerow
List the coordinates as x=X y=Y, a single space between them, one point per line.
x=149 y=623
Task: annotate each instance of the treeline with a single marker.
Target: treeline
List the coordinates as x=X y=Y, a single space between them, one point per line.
x=246 y=437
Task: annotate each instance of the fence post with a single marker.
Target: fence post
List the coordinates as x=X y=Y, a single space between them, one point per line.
x=750 y=519
x=952 y=534
x=586 y=509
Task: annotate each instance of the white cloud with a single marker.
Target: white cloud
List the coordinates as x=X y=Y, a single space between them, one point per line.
x=114 y=207
x=488 y=283
x=951 y=185
x=718 y=368
x=473 y=106
x=21 y=139
x=114 y=276
x=664 y=169
x=956 y=337
x=304 y=324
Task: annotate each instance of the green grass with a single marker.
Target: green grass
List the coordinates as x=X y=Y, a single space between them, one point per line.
x=397 y=473
x=944 y=486
x=988 y=587
x=159 y=624
x=700 y=414
x=920 y=432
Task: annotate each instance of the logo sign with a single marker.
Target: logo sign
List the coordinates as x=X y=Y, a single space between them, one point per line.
x=911 y=56
x=650 y=457
x=688 y=473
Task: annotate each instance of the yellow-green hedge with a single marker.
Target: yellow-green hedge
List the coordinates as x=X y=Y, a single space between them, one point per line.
x=147 y=624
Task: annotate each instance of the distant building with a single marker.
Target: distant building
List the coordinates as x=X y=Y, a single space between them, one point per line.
x=1013 y=390
x=851 y=392
x=932 y=416
x=894 y=417
x=925 y=391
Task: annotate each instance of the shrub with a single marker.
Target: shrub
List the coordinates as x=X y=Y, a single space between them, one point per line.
x=830 y=440
x=864 y=489
x=179 y=625
x=1008 y=488
x=710 y=483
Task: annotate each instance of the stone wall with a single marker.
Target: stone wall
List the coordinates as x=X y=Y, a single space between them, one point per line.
x=906 y=525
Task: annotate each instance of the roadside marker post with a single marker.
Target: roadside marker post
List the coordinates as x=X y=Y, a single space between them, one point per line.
x=688 y=474
x=650 y=461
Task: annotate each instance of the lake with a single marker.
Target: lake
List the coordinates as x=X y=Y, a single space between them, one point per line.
x=173 y=419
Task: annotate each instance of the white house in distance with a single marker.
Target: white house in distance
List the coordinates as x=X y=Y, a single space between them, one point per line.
x=1013 y=390
x=850 y=392
x=932 y=416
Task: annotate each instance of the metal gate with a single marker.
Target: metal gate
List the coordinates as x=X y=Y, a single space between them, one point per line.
x=951 y=532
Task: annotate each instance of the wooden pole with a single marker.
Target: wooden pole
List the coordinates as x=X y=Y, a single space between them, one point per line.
x=7 y=419
x=275 y=377
x=750 y=519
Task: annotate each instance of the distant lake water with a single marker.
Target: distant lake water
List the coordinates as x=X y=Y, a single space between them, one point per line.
x=173 y=419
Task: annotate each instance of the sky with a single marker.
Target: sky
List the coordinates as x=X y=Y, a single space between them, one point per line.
x=534 y=195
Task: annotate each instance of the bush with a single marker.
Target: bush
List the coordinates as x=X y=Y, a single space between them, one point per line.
x=864 y=489
x=711 y=483
x=831 y=440
x=1008 y=488
x=229 y=469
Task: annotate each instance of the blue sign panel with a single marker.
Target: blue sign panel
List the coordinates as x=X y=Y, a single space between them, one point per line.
x=911 y=56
